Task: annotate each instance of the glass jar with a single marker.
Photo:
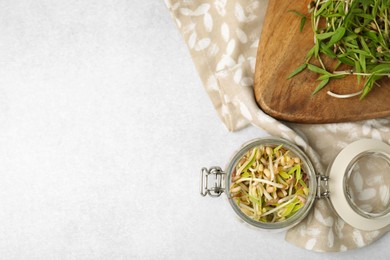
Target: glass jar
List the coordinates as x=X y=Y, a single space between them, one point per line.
x=336 y=185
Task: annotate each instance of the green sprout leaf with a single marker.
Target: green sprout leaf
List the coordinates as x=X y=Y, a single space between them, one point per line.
x=297 y=71
x=321 y=86
x=318 y=70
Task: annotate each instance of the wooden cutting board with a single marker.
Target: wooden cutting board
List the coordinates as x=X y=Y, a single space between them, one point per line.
x=281 y=50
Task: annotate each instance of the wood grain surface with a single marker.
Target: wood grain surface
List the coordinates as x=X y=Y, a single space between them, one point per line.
x=281 y=50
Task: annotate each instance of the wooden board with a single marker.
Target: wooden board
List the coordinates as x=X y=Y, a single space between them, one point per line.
x=281 y=50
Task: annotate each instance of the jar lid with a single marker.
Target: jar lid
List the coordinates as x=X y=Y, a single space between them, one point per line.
x=338 y=193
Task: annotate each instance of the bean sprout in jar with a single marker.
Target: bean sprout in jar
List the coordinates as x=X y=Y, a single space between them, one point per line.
x=269 y=184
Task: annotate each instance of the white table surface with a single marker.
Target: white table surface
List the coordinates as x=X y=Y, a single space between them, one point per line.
x=104 y=126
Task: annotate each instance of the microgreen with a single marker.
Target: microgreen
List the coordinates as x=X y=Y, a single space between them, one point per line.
x=354 y=33
x=303 y=19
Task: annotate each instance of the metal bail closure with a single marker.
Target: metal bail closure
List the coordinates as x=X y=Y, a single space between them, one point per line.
x=207 y=187
x=322 y=186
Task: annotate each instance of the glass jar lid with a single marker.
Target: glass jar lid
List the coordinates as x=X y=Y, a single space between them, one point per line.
x=345 y=184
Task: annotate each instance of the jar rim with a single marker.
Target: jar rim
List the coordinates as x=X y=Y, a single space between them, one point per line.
x=339 y=199
x=306 y=163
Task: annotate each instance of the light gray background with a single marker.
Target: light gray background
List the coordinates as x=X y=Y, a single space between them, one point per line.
x=104 y=126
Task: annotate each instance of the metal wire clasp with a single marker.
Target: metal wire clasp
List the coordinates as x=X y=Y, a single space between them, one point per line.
x=322 y=186
x=216 y=188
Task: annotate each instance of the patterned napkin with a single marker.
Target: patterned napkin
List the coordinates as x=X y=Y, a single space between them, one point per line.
x=222 y=37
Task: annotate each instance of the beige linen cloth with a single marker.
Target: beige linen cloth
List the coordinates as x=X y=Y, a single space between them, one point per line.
x=222 y=37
